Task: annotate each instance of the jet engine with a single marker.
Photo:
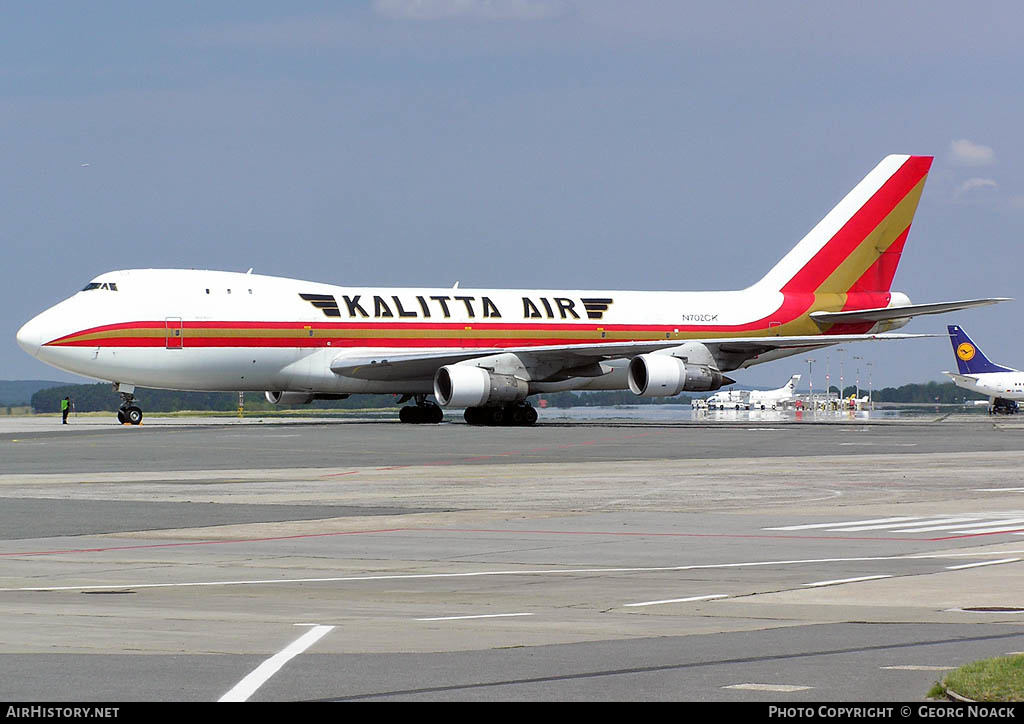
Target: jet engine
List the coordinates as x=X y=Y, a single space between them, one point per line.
x=299 y=398
x=662 y=375
x=466 y=386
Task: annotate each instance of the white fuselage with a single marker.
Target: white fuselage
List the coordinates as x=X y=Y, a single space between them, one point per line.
x=209 y=330
x=769 y=397
x=1006 y=385
x=753 y=398
x=254 y=332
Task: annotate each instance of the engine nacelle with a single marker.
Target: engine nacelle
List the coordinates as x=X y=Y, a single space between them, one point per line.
x=299 y=398
x=466 y=386
x=662 y=375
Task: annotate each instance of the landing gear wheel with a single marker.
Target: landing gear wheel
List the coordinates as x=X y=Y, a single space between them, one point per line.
x=129 y=411
x=421 y=412
x=517 y=414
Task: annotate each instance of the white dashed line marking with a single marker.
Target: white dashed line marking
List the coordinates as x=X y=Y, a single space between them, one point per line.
x=975 y=524
x=782 y=688
x=840 y=581
x=462 y=618
x=982 y=563
x=248 y=686
x=912 y=667
x=834 y=524
x=679 y=600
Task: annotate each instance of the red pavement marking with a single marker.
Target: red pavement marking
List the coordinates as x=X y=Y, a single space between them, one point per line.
x=70 y=551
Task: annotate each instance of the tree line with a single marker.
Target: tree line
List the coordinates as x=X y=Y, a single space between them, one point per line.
x=924 y=392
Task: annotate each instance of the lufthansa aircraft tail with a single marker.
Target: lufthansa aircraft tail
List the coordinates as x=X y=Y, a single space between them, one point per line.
x=969 y=357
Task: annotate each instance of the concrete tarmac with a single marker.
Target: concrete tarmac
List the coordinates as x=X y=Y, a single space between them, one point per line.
x=712 y=559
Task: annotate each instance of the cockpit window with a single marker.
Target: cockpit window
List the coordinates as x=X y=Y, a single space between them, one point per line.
x=112 y=286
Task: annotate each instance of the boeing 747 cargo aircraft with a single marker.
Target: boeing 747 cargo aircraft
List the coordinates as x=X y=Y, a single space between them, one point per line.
x=488 y=350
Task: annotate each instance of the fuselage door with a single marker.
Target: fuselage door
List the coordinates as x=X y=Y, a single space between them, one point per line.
x=174 y=334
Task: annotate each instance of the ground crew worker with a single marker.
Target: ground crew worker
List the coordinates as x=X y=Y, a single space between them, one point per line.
x=65 y=408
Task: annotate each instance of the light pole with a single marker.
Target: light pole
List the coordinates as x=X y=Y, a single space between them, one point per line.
x=871 y=404
x=842 y=391
x=810 y=379
x=859 y=360
x=828 y=378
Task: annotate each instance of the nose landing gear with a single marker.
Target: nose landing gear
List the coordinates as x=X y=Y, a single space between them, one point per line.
x=129 y=412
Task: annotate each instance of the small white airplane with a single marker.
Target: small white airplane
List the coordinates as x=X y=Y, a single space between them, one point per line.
x=1003 y=385
x=488 y=350
x=765 y=399
x=752 y=399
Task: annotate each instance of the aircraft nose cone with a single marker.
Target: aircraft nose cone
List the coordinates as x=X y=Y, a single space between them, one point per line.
x=30 y=337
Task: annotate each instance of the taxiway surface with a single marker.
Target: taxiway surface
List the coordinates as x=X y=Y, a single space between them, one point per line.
x=708 y=559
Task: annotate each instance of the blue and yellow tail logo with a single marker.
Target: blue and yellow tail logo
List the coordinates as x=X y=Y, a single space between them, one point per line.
x=970 y=360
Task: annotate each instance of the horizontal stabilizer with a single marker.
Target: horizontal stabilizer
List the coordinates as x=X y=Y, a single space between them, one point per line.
x=882 y=314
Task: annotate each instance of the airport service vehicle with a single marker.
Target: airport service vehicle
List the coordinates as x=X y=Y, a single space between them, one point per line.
x=488 y=350
x=729 y=400
x=1003 y=385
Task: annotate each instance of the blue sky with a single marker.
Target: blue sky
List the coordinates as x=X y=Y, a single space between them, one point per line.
x=527 y=143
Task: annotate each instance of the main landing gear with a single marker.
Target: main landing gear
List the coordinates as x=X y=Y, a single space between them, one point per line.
x=519 y=414
x=129 y=412
x=423 y=412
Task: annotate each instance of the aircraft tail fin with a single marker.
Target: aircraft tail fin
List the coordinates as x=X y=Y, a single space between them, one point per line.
x=857 y=246
x=969 y=357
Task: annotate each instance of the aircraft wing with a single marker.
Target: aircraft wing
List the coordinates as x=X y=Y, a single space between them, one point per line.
x=389 y=365
x=881 y=314
x=384 y=364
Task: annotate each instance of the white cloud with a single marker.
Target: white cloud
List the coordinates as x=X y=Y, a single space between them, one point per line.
x=470 y=9
x=975 y=183
x=968 y=153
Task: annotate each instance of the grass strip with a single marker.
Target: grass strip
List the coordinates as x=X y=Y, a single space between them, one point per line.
x=998 y=679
